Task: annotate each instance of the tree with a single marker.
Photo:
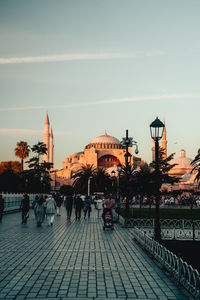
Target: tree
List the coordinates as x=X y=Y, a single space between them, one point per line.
x=127 y=181
x=164 y=168
x=15 y=166
x=196 y=163
x=102 y=180
x=38 y=173
x=67 y=190
x=144 y=182
x=22 y=151
x=81 y=178
x=9 y=176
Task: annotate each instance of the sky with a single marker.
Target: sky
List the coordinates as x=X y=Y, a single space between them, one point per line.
x=99 y=65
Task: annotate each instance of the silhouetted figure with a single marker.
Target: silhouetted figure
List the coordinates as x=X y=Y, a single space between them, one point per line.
x=1 y=207
x=87 y=207
x=69 y=205
x=58 y=200
x=78 y=207
x=25 y=206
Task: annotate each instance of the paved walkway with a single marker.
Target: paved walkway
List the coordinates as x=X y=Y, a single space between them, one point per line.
x=77 y=259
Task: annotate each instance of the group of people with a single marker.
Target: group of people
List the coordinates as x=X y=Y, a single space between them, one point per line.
x=79 y=203
x=46 y=207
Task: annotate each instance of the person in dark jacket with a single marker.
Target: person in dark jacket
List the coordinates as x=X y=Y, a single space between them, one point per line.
x=58 y=200
x=78 y=207
x=1 y=207
x=25 y=206
x=69 y=205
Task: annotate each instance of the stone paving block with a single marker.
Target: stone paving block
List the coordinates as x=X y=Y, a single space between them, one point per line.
x=77 y=259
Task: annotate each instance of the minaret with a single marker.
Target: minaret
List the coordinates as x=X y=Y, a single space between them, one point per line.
x=51 y=146
x=164 y=143
x=46 y=138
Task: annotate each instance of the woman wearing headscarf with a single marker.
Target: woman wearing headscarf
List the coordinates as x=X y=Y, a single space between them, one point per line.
x=50 y=210
x=39 y=211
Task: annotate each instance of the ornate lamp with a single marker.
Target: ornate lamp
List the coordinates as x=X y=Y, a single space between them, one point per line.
x=156 y=129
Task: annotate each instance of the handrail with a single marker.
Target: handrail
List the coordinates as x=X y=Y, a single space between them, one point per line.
x=179 y=269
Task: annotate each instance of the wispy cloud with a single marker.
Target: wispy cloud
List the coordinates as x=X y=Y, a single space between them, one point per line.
x=23 y=132
x=107 y=101
x=65 y=57
x=74 y=57
x=19 y=131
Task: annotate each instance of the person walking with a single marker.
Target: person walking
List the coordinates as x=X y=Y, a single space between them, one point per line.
x=87 y=207
x=1 y=207
x=50 y=210
x=39 y=212
x=99 y=205
x=25 y=206
x=69 y=205
x=58 y=200
x=78 y=207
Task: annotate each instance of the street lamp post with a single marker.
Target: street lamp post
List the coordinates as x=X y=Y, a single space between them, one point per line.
x=119 y=168
x=41 y=180
x=126 y=143
x=89 y=179
x=113 y=181
x=156 y=129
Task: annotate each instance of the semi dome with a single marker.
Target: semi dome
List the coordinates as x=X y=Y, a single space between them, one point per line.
x=182 y=162
x=105 y=139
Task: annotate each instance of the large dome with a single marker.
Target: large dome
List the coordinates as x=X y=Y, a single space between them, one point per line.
x=182 y=162
x=105 y=139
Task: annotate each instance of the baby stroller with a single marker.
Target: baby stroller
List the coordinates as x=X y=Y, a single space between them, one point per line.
x=108 y=219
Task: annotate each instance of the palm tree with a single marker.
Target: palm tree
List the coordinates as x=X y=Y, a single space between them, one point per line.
x=81 y=178
x=102 y=180
x=22 y=151
x=196 y=163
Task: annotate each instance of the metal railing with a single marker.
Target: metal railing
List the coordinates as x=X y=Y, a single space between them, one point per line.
x=179 y=269
x=178 y=229
x=12 y=201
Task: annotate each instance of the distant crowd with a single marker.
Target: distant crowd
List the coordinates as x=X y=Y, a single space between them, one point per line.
x=47 y=207
x=186 y=199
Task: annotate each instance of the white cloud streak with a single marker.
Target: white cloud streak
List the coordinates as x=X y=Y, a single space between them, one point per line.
x=23 y=132
x=19 y=131
x=75 y=57
x=107 y=101
x=65 y=57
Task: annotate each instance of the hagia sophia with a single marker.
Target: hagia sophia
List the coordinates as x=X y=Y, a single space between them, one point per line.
x=106 y=151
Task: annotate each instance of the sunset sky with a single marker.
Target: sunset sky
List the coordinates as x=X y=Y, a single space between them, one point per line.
x=96 y=65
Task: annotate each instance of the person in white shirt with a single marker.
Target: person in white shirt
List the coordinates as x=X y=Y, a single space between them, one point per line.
x=99 y=205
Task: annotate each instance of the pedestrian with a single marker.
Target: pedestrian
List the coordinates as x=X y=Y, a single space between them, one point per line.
x=87 y=207
x=109 y=203
x=50 y=210
x=78 y=207
x=58 y=200
x=1 y=207
x=39 y=211
x=69 y=205
x=35 y=201
x=25 y=206
x=99 y=205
